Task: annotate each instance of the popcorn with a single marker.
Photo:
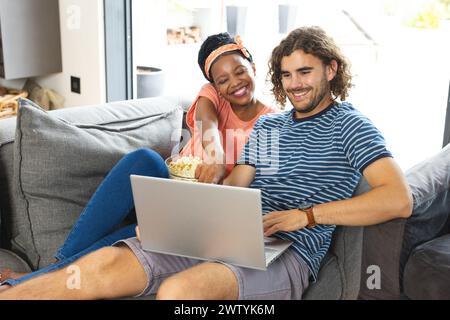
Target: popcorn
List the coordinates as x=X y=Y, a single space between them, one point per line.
x=184 y=166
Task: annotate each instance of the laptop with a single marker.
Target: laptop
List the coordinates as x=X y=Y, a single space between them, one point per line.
x=203 y=221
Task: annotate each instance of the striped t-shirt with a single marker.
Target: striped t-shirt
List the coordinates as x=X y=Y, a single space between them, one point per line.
x=313 y=160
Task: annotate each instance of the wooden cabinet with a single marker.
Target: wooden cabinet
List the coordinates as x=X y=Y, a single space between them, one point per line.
x=30 y=43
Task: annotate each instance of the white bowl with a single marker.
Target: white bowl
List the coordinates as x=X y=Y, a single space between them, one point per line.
x=176 y=176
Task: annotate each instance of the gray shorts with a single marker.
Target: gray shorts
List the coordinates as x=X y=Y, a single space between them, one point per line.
x=286 y=278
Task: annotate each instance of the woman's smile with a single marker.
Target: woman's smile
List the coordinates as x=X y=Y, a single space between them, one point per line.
x=240 y=92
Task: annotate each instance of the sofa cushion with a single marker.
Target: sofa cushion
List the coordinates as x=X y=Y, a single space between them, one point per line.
x=427 y=272
x=59 y=164
x=430 y=185
x=7 y=132
x=329 y=285
x=10 y=260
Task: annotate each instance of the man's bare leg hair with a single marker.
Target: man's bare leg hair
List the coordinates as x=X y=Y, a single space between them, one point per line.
x=110 y=272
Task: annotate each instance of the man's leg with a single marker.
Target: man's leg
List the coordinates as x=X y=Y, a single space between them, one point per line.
x=285 y=278
x=110 y=272
x=204 y=281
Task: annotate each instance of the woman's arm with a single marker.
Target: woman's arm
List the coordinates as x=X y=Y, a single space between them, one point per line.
x=207 y=122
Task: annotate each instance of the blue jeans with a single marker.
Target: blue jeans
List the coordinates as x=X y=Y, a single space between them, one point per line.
x=111 y=203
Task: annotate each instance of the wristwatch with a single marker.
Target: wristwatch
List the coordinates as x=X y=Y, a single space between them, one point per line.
x=307 y=208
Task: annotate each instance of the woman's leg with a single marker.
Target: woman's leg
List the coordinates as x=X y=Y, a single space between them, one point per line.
x=112 y=201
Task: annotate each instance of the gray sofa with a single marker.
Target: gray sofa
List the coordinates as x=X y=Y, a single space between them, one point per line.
x=413 y=255
x=52 y=162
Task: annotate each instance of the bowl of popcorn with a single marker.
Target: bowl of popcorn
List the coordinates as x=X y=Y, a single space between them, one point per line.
x=183 y=168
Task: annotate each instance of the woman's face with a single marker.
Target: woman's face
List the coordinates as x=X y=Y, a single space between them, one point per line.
x=234 y=78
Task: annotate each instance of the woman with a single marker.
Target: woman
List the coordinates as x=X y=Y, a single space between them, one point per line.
x=225 y=110
x=220 y=120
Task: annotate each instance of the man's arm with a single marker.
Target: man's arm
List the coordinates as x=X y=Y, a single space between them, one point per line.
x=242 y=175
x=389 y=198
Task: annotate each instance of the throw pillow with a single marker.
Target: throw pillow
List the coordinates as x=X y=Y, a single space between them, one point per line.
x=59 y=164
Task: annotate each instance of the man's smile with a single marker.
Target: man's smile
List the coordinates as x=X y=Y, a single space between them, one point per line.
x=300 y=95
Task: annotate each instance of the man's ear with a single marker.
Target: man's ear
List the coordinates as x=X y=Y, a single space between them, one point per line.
x=332 y=70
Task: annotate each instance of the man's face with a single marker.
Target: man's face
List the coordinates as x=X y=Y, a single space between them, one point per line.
x=305 y=80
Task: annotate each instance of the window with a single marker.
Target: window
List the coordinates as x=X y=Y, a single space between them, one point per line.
x=398 y=49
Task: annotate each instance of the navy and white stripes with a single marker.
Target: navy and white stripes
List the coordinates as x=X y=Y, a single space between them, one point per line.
x=317 y=160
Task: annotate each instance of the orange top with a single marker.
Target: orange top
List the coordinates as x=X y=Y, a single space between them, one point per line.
x=233 y=131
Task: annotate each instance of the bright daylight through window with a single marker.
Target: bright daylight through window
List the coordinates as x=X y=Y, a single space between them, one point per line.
x=399 y=51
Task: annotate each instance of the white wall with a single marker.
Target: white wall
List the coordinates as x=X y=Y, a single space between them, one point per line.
x=83 y=53
x=15 y=84
x=179 y=62
x=149 y=35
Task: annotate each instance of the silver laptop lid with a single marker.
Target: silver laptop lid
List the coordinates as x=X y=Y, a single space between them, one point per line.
x=198 y=220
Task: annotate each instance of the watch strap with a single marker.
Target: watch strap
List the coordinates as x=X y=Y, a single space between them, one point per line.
x=310 y=216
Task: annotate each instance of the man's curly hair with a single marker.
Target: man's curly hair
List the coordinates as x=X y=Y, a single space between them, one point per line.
x=312 y=40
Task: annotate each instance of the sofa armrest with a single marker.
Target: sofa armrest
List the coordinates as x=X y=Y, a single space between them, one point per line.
x=382 y=248
x=389 y=245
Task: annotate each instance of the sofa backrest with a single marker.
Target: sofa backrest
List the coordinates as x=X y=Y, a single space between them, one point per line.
x=94 y=115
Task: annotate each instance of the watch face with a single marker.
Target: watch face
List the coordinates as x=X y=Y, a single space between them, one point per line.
x=305 y=205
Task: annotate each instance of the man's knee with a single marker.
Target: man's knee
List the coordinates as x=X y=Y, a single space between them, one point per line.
x=105 y=261
x=103 y=258
x=176 y=288
x=110 y=272
x=204 y=281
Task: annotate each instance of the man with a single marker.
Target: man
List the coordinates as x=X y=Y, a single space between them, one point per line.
x=307 y=174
